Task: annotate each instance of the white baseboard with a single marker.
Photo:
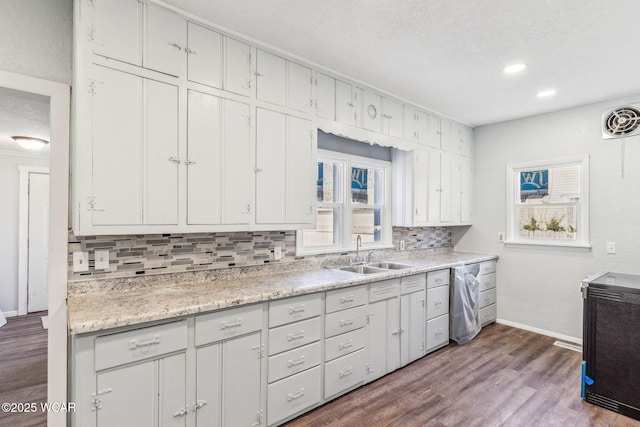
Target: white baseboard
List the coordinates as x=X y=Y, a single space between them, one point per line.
x=10 y=313
x=541 y=331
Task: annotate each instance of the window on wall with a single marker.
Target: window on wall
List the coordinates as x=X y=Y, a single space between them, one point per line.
x=547 y=203
x=352 y=200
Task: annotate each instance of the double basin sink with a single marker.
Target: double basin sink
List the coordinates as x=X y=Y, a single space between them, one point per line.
x=378 y=267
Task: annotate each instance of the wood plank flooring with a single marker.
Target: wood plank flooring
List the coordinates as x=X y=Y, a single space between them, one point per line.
x=504 y=377
x=23 y=368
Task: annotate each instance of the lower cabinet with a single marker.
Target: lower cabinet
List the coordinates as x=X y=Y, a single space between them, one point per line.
x=437 y=309
x=488 y=294
x=383 y=329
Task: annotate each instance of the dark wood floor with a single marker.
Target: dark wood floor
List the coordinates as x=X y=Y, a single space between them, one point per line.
x=504 y=377
x=23 y=368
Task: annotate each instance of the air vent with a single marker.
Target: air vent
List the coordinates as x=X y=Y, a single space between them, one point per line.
x=621 y=122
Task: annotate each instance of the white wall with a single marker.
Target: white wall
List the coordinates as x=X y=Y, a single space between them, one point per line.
x=36 y=38
x=9 y=220
x=538 y=287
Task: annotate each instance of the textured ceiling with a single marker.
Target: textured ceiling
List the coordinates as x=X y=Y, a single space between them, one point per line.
x=22 y=114
x=448 y=56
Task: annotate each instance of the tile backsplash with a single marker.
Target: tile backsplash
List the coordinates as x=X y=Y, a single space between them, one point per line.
x=132 y=255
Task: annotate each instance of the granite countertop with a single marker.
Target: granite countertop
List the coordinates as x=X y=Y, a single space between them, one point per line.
x=104 y=305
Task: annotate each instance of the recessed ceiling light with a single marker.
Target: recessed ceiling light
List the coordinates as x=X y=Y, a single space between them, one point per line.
x=546 y=93
x=514 y=68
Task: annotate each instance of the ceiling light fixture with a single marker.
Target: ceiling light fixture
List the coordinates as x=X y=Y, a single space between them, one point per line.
x=514 y=68
x=546 y=93
x=30 y=143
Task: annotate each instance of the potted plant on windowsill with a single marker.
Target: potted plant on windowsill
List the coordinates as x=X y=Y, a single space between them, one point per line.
x=557 y=230
x=532 y=226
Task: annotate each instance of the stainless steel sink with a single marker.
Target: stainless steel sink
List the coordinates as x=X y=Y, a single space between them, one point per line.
x=390 y=265
x=362 y=269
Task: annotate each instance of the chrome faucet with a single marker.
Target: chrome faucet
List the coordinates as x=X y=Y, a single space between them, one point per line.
x=358 y=245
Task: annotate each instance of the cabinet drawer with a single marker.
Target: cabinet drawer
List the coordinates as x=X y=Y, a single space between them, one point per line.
x=488 y=314
x=437 y=332
x=344 y=321
x=294 y=335
x=344 y=372
x=131 y=346
x=346 y=298
x=487 y=297
x=294 y=361
x=438 y=278
x=344 y=344
x=292 y=395
x=437 y=301
x=487 y=267
x=384 y=290
x=228 y=323
x=294 y=309
x=413 y=283
x=487 y=281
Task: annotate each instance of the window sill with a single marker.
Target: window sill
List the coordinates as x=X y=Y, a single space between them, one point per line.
x=578 y=246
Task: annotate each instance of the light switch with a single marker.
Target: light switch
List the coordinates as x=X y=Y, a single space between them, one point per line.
x=501 y=237
x=277 y=253
x=80 y=262
x=102 y=259
x=611 y=247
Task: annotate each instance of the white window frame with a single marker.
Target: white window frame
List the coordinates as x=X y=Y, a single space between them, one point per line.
x=346 y=206
x=512 y=220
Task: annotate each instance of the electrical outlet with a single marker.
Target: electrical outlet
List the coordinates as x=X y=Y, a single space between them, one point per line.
x=402 y=245
x=501 y=237
x=277 y=253
x=611 y=247
x=102 y=259
x=80 y=262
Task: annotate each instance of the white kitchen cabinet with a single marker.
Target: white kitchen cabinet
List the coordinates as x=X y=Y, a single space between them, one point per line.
x=115 y=30
x=165 y=41
x=325 y=97
x=383 y=329
x=419 y=127
x=372 y=111
x=285 y=166
x=219 y=176
x=299 y=87
x=348 y=103
x=461 y=140
x=447 y=141
x=392 y=119
x=237 y=67
x=450 y=187
x=466 y=190
x=412 y=318
x=204 y=56
x=134 y=126
x=488 y=292
x=282 y=82
x=437 y=312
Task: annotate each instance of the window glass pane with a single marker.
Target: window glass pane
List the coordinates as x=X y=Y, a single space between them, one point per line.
x=559 y=184
x=366 y=223
x=327 y=229
x=548 y=222
x=328 y=182
x=366 y=186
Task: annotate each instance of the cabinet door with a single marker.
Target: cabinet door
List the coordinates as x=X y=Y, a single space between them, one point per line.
x=241 y=383
x=160 y=184
x=237 y=178
x=299 y=86
x=326 y=97
x=431 y=129
x=172 y=391
x=300 y=165
x=392 y=118
x=421 y=186
x=116 y=30
x=447 y=140
x=424 y=136
x=208 y=385
x=410 y=120
x=271 y=79
x=466 y=141
x=237 y=67
x=117 y=160
x=345 y=106
x=372 y=109
x=164 y=41
x=466 y=189
x=203 y=151
x=204 y=56
x=412 y=324
x=450 y=186
x=383 y=331
x=434 y=186
x=271 y=157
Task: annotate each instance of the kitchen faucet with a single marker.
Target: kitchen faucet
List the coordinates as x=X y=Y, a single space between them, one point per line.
x=358 y=245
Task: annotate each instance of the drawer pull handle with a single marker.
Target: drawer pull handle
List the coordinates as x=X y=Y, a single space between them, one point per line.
x=199 y=404
x=224 y=325
x=346 y=322
x=438 y=302
x=292 y=363
x=292 y=337
x=181 y=413
x=345 y=300
x=293 y=310
x=134 y=344
x=346 y=373
x=345 y=345
x=295 y=396
x=439 y=279
x=438 y=332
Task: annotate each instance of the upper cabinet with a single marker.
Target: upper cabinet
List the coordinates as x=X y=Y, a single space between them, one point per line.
x=204 y=56
x=392 y=119
x=348 y=103
x=237 y=67
x=372 y=108
x=165 y=41
x=325 y=97
x=115 y=29
x=284 y=83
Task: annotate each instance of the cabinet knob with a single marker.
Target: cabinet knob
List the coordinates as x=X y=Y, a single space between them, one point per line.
x=176 y=45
